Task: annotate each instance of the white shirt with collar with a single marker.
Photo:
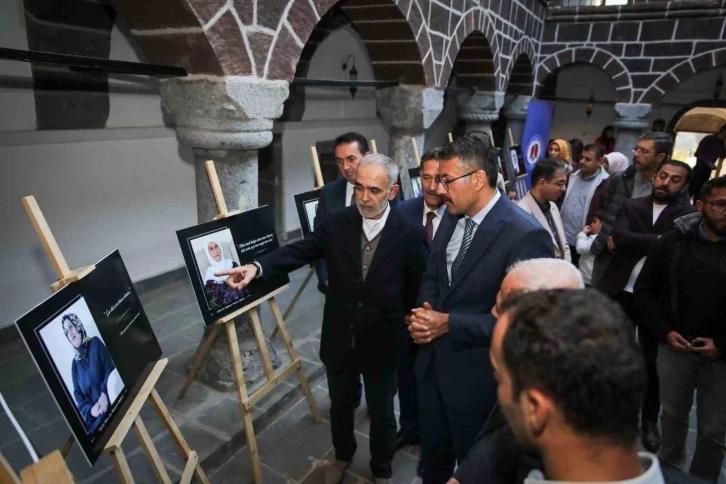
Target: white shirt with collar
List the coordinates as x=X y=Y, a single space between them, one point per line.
x=452 y=250
x=652 y=474
x=349 y=191
x=437 y=219
x=372 y=227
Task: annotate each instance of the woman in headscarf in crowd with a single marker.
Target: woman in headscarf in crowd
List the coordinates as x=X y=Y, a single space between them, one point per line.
x=613 y=163
x=91 y=368
x=607 y=139
x=559 y=149
x=216 y=288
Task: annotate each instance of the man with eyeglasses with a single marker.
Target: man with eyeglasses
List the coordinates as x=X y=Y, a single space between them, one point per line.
x=681 y=294
x=481 y=235
x=426 y=210
x=635 y=182
x=549 y=182
x=579 y=194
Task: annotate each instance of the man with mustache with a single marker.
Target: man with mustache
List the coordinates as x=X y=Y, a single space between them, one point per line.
x=639 y=224
x=426 y=210
x=375 y=261
x=681 y=293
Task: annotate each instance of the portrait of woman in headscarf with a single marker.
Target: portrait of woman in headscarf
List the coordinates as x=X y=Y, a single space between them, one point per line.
x=92 y=367
x=219 y=294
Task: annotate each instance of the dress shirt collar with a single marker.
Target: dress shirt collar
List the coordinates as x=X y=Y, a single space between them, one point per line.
x=439 y=211
x=652 y=474
x=372 y=227
x=349 y=191
x=479 y=217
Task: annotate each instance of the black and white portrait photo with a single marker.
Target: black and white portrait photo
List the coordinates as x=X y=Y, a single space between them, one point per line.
x=216 y=252
x=307 y=209
x=80 y=356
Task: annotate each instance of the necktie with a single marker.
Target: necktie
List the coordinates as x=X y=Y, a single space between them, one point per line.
x=430 y=226
x=352 y=199
x=466 y=241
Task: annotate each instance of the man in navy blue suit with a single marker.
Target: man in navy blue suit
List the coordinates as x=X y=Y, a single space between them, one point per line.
x=481 y=235
x=426 y=210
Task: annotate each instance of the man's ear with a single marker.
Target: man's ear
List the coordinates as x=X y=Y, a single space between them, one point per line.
x=393 y=192
x=537 y=410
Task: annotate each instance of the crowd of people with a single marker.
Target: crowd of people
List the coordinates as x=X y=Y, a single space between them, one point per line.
x=475 y=309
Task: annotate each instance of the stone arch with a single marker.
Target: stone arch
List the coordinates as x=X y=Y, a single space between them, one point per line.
x=395 y=51
x=475 y=30
x=682 y=72
x=589 y=55
x=520 y=70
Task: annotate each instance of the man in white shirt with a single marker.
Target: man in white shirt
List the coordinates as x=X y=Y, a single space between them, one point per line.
x=427 y=210
x=573 y=403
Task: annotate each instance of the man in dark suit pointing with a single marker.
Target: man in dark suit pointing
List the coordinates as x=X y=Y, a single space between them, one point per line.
x=480 y=236
x=375 y=263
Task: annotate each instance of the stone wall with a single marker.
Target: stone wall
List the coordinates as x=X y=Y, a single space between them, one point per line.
x=647 y=49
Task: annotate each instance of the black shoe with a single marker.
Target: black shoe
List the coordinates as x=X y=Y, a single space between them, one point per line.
x=650 y=436
x=405 y=440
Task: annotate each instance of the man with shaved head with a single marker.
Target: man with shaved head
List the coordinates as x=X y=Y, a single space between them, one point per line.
x=495 y=456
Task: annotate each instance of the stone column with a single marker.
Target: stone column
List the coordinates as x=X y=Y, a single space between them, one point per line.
x=226 y=119
x=409 y=111
x=515 y=112
x=630 y=124
x=479 y=109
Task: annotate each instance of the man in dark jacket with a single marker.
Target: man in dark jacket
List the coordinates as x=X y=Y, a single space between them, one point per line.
x=635 y=182
x=376 y=260
x=709 y=150
x=680 y=291
x=637 y=227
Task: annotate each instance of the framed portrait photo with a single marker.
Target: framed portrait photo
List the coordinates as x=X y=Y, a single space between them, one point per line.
x=414 y=174
x=224 y=244
x=94 y=347
x=307 y=208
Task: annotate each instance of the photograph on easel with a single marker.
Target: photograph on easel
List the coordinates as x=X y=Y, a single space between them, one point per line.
x=94 y=346
x=221 y=245
x=307 y=208
x=414 y=174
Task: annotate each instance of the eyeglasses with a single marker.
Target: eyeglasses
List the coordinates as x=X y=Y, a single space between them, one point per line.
x=717 y=205
x=446 y=183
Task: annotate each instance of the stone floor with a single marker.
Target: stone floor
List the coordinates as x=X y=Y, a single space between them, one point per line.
x=292 y=448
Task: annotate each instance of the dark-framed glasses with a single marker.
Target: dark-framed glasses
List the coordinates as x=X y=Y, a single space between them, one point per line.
x=446 y=183
x=717 y=205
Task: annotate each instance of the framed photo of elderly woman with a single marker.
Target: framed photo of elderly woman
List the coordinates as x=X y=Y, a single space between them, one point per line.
x=93 y=345
x=221 y=245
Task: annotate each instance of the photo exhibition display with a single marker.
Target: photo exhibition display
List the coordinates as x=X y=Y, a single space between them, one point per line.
x=94 y=346
x=221 y=245
x=307 y=208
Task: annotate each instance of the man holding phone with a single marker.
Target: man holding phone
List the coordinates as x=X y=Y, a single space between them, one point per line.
x=680 y=293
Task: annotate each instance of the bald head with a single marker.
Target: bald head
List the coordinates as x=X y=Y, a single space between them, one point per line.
x=537 y=274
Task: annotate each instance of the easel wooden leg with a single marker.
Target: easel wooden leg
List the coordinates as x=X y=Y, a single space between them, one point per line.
x=260 y=337
x=188 y=473
x=150 y=450
x=297 y=295
x=176 y=434
x=66 y=449
x=199 y=359
x=239 y=378
x=293 y=356
x=122 y=466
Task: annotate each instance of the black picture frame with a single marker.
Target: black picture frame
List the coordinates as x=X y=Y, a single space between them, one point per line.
x=116 y=328
x=414 y=174
x=517 y=160
x=307 y=207
x=243 y=238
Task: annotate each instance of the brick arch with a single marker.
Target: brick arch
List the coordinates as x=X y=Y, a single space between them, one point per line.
x=520 y=70
x=594 y=56
x=682 y=72
x=478 y=26
x=399 y=58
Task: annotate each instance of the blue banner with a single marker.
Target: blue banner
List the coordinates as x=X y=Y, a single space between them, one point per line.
x=536 y=133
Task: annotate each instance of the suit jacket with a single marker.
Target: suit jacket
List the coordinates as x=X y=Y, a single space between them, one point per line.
x=530 y=205
x=412 y=210
x=460 y=358
x=635 y=235
x=332 y=199
x=367 y=313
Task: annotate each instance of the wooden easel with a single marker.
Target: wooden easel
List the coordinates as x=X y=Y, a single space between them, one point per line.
x=416 y=156
x=51 y=469
x=148 y=391
x=318 y=185
x=374 y=147
x=248 y=401
x=451 y=138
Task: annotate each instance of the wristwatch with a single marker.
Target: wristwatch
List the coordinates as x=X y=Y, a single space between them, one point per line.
x=259 y=269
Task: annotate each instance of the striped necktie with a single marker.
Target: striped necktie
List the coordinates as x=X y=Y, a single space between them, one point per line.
x=465 y=243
